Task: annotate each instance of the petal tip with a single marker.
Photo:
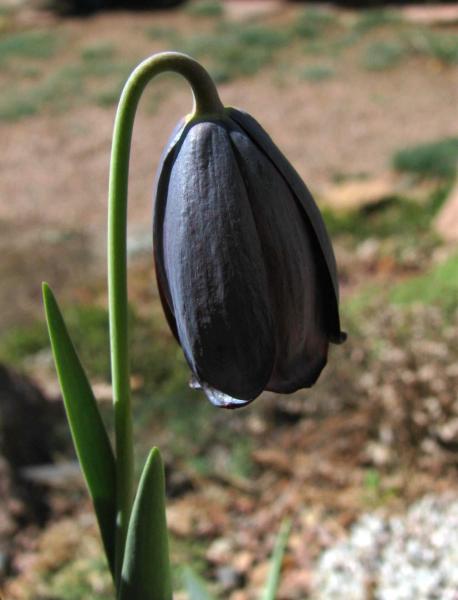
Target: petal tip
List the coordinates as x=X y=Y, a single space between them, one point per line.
x=340 y=338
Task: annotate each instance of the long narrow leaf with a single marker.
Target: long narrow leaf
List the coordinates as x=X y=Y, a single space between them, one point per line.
x=276 y=561
x=88 y=431
x=146 y=568
x=194 y=586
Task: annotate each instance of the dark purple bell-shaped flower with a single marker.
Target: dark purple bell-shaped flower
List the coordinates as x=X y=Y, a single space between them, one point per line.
x=245 y=269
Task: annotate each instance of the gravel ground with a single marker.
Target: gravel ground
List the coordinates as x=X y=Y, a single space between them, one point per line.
x=408 y=557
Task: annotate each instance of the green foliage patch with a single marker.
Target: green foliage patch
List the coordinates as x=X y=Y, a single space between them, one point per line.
x=437 y=159
x=98 y=52
x=162 y=32
x=443 y=47
x=384 y=55
x=56 y=91
x=205 y=8
x=394 y=217
x=65 y=87
x=375 y=18
x=317 y=73
x=438 y=286
x=313 y=23
x=28 y=44
x=440 y=46
x=80 y=578
x=19 y=343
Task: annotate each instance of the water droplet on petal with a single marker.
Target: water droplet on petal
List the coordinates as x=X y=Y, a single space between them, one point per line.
x=194 y=383
x=221 y=399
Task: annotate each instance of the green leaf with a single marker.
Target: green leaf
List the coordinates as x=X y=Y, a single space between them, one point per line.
x=195 y=586
x=88 y=431
x=276 y=561
x=146 y=568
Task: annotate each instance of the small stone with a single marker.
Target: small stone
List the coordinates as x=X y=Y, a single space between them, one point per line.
x=410 y=556
x=228 y=577
x=243 y=561
x=220 y=551
x=431 y=15
x=359 y=193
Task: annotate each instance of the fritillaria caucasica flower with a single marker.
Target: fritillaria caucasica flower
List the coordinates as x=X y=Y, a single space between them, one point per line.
x=245 y=268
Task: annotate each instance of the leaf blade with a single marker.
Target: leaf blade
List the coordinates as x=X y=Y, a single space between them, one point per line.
x=146 y=568
x=273 y=580
x=89 y=435
x=195 y=586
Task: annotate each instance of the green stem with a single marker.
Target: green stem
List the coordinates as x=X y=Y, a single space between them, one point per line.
x=206 y=101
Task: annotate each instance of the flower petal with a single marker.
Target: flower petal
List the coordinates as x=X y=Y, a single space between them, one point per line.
x=160 y=197
x=260 y=137
x=213 y=264
x=289 y=249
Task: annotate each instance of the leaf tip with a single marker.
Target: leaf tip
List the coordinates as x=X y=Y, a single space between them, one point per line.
x=46 y=292
x=154 y=460
x=155 y=453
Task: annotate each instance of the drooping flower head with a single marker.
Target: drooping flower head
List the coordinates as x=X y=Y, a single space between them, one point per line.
x=245 y=268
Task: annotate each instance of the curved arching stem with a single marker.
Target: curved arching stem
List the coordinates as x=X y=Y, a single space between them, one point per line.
x=206 y=101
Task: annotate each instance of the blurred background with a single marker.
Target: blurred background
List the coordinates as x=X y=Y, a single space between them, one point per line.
x=362 y=98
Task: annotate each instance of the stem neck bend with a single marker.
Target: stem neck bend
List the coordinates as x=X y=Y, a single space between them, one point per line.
x=206 y=101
